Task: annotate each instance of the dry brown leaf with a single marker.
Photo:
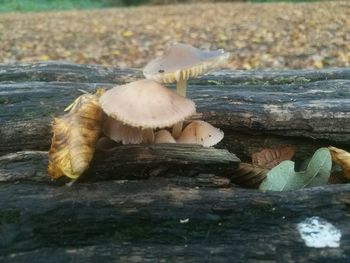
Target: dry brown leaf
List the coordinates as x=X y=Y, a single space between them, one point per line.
x=338 y=178
x=270 y=157
x=249 y=175
x=279 y=40
x=74 y=137
x=342 y=158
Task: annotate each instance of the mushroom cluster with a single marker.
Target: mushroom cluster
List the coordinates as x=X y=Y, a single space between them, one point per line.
x=145 y=111
x=142 y=111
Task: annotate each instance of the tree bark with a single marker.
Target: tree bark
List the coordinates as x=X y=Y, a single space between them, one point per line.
x=158 y=219
x=170 y=203
x=127 y=162
x=311 y=105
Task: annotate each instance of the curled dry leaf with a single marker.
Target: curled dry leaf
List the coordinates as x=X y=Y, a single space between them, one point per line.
x=342 y=158
x=74 y=137
x=249 y=175
x=271 y=157
x=283 y=177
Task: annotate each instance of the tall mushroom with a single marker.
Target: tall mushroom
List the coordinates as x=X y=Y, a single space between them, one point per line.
x=147 y=105
x=180 y=63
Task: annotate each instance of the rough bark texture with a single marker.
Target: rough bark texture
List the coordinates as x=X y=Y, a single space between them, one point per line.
x=312 y=105
x=140 y=221
x=127 y=162
x=180 y=206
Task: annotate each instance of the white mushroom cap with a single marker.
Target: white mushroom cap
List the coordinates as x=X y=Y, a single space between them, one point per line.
x=119 y=132
x=164 y=136
x=201 y=132
x=146 y=104
x=183 y=61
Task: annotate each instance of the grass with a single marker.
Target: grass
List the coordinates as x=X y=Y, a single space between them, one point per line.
x=287 y=1
x=47 y=5
x=50 y=5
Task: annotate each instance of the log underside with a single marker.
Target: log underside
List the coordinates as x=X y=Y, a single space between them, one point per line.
x=170 y=203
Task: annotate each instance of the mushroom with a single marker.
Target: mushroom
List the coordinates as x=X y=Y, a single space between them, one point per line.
x=119 y=132
x=201 y=132
x=163 y=136
x=180 y=63
x=147 y=105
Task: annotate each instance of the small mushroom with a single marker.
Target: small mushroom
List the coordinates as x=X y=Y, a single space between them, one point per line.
x=164 y=136
x=201 y=132
x=182 y=62
x=147 y=105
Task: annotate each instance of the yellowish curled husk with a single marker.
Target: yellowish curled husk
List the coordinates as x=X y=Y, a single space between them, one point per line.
x=75 y=135
x=342 y=158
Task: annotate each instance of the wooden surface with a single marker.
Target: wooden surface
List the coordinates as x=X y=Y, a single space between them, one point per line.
x=170 y=208
x=139 y=221
x=127 y=162
x=297 y=106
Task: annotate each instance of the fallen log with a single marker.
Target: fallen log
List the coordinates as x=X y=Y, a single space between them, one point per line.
x=127 y=162
x=307 y=106
x=175 y=208
x=158 y=219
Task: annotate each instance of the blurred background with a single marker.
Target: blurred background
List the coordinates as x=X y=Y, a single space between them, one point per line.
x=128 y=33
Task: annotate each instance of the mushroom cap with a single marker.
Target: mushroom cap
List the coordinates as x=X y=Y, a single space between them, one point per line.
x=201 y=132
x=183 y=61
x=119 y=132
x=146 y=104
x=164 y=136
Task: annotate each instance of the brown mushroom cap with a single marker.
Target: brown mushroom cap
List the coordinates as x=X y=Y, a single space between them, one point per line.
x=146 y=104
x=201 y=132
x=183 y=61
x=164 y=136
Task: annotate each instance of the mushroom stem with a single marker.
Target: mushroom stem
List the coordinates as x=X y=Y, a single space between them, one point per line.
x=147 y=136
x=181 y=87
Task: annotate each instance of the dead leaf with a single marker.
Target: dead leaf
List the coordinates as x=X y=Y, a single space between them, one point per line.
x=75 y=136
x=249 y=175
x=338 y=178
x=127 y=33
x=342 y=158
x=270 y=157
x=283 y=177
x=286 y=36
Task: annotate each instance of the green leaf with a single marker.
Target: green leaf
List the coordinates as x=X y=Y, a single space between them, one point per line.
x=283 y=177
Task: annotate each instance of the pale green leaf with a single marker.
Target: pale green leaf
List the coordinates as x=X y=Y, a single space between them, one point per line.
x=283 y=177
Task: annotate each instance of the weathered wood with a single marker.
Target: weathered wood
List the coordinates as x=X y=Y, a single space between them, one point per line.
x=65 y=72
x=68 y=72
x=169 y=217
x=127 y=162
x=306 y=104
x=140 y=221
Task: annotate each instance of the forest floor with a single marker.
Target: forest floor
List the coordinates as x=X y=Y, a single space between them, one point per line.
x=274 y=35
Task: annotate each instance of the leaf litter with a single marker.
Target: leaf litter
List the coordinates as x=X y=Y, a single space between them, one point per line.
x=274 y=35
